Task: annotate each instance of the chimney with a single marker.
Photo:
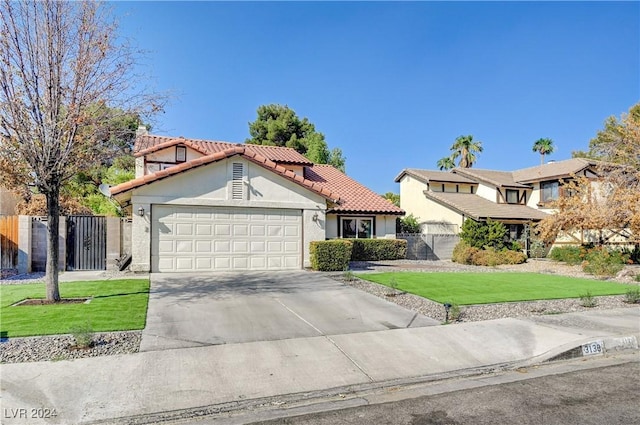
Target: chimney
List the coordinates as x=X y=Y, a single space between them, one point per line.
x=141 y=131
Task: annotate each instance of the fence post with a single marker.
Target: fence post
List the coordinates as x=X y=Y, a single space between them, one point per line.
x=24 y=244
x=113 y=242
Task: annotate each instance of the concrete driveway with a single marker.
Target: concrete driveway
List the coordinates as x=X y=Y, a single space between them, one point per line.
x=190 y=310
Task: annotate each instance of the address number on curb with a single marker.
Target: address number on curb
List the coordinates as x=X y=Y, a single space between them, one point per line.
x=591 y=348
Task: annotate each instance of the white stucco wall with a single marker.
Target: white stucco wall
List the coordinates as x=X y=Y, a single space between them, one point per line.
x=412 y=199
x=487 y=192
x=210 y=185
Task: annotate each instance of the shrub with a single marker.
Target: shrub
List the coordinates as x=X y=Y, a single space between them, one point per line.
x=409 y=224
x=602 y=262
x=633 y=254
x=572 y=255
x=330 y=255
x=82 y=335
x=378 y=249
x=512 y=257
x=483 y=234
x=632 y=296
x=463 y=253
x=587 y=300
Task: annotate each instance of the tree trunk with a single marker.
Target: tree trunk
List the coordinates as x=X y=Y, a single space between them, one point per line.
x=53 y=220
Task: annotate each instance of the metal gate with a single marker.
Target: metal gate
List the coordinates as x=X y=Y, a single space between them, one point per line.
x=86 y=242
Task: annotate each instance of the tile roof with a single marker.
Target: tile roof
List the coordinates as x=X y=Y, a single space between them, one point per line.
x=218 y=156
x=479 y=208
x=354 y=197
x=553 y=170
x=436 y=176
x=496 y=178
x=146 y=144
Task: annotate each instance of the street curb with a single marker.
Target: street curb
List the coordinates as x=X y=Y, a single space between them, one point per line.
x=354 y=395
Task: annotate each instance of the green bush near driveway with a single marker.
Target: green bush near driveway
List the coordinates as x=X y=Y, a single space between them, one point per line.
x=485 y=288
x=332 y=255
x=116 y=305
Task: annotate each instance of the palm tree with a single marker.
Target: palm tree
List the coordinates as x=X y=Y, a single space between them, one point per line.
x=544 y=146
x=466 y=149
x=446 y=163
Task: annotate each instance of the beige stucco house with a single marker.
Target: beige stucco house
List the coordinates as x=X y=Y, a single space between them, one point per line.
x=516 y=198
x=202 y=205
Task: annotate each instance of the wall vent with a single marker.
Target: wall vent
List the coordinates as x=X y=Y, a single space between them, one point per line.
x=237 y=186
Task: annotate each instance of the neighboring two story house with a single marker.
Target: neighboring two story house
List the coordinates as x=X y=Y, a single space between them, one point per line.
x=444 y=199
x=201 y=205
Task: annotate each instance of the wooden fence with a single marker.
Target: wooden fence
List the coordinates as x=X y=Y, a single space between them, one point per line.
x=8 y=242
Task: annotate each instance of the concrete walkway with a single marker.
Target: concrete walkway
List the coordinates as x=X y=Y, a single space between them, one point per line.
x=174 y=381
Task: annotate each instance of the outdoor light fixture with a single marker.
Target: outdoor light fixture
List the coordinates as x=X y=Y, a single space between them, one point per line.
x=447 y=306
x=141 y=212
x=315 y=217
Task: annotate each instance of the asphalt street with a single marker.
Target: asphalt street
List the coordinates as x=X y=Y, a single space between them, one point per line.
x=603 y=395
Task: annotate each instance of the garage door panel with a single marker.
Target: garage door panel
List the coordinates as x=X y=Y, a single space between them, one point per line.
x=203 y=246
x=257 y=247
x=240 y=230
x=204 y=229
x=184 y=246
x=240 y=247
x=184 y=264
x=221 y=247
x=222 y=230
x=204 y=263
x=189 y=238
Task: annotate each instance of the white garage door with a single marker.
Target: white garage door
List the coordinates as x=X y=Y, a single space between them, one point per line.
x=186 y=238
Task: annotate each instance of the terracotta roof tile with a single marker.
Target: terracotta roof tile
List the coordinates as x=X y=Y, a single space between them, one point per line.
x=147 y=144
x=354 y=197
x=479 y=208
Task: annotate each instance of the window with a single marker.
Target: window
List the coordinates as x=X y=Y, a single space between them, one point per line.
x=358 y=228
x=181 y=153
x=549 y=191
x=512 y=196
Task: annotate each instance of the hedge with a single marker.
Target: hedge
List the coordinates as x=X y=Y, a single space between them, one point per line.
x=378 y=249
x=330 y=255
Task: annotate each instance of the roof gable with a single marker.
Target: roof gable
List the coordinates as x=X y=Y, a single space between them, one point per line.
x=218 y=156
x=427 y=176
x=554 y=170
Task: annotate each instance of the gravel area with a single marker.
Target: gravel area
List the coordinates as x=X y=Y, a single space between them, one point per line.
x=62 y=347
x=485 y=311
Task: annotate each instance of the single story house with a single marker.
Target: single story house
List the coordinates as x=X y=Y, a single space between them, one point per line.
x=199 y=205
x=515 y=198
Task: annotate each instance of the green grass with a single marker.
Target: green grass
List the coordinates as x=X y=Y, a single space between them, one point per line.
x=484 y=288
x=116 y=305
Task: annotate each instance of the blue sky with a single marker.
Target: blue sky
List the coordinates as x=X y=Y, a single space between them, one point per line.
x=393 y=84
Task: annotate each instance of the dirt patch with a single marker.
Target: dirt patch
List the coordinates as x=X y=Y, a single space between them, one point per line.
x=31 y=301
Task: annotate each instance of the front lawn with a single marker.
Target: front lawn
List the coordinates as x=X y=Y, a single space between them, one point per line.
x=484 y=288
x=116 y=305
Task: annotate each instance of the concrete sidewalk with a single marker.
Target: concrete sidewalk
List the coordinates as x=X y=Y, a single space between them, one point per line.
x=173 y=381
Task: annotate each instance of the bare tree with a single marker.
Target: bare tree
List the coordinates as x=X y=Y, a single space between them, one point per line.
x=58 y=62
